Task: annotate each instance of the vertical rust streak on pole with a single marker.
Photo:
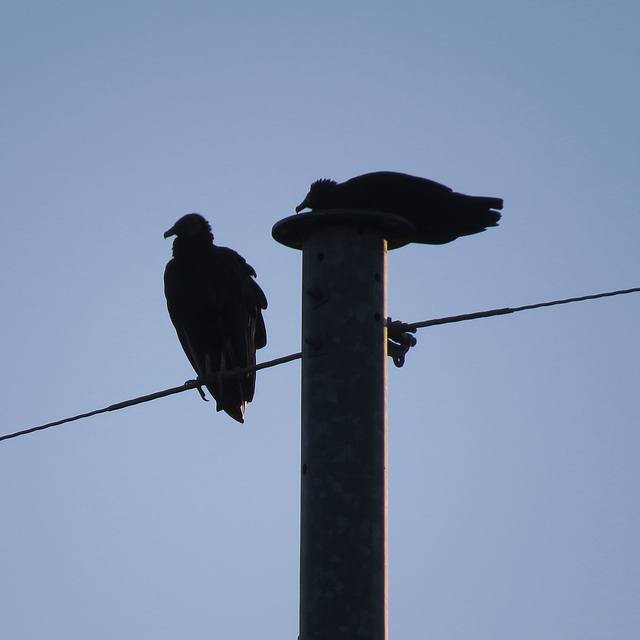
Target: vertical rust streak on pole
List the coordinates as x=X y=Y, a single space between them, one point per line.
x=344 y=493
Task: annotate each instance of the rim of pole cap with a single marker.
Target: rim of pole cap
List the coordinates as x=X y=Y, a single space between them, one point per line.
x=292 y=231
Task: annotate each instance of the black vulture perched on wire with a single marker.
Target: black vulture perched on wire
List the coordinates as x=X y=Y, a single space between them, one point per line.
x=216 y=307
x=438 y=214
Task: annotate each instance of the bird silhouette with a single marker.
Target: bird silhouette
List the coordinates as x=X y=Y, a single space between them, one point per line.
x=438 y=214
x=216 y=308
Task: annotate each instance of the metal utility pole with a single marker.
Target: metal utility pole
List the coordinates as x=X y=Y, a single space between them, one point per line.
x=343 y=536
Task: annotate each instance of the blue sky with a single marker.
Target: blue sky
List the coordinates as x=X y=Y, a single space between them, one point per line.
x=513 y=441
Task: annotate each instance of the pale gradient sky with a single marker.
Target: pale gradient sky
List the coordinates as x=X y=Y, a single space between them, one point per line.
x=514 y=442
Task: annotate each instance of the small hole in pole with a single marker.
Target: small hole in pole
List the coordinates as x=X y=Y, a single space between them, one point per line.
x=377 y=277
x=304 y=469
x=320 y=257
x=377 y=317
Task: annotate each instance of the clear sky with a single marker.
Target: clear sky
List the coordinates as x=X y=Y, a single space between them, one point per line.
x=514 y=442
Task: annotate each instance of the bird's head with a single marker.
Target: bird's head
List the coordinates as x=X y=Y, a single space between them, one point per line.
x=192 y=224
x=317 y=196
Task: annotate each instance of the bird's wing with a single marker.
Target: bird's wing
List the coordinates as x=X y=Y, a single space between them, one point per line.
x=195 y=313
x=388 y=191
x=241 y=302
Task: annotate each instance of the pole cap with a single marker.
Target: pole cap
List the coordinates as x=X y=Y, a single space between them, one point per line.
x=293 y=230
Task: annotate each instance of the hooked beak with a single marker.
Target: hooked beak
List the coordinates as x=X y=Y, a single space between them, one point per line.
x=169 y=233
x=303 y=205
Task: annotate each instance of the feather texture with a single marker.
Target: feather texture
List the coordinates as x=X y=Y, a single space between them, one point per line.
x=216 y=308
x=438 y=214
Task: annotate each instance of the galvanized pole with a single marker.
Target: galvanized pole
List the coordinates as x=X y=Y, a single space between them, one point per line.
x=343 y=537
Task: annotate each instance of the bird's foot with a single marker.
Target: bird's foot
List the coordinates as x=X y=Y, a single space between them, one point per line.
x=198 y=385
x=201 y=392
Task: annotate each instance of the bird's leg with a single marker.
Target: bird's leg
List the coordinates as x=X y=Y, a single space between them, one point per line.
x=198 y=385
x=201 y=392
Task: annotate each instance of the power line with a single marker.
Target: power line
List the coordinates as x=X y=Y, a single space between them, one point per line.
x=196 y=384
x=190 y=384
x=506 y=310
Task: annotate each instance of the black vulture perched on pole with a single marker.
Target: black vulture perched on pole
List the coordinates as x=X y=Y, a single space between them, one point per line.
x=216 y=307
x=438 y=214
